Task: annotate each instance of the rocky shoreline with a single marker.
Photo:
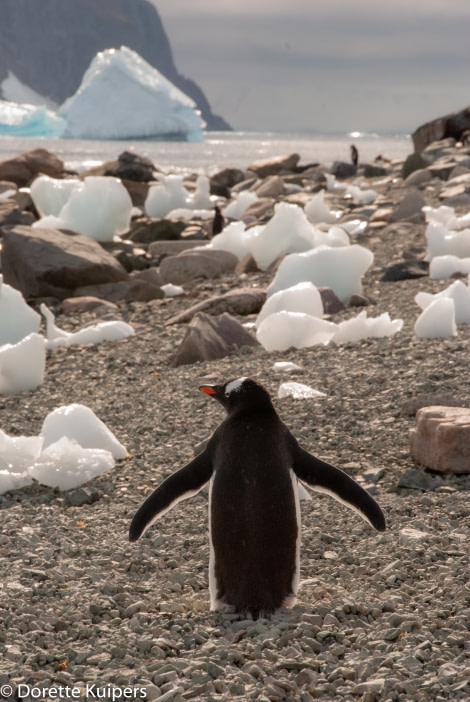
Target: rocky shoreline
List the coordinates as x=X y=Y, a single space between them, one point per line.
x=379 y=617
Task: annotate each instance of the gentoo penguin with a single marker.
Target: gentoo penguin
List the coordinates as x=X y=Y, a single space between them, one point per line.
x=218 y=222
x=354 y=154
x=253 y=464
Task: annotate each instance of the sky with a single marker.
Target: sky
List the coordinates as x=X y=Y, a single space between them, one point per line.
x=334 y=66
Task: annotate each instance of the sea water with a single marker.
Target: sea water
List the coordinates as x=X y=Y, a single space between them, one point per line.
x=218 y=150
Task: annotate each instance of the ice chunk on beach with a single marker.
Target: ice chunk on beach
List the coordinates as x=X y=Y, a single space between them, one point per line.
x=283 y=330
x=94 y=334
x=437 y=320
x=298 y=391
x=318 y=211
x=17 y=318
x=170 y=290
x=169 y=194
x=362 y=327
x=23 y=120
x=65 y=464
x=339 y=268
x=237 y=207
x=335 y=236
x=50 y=194
x=233 y=238
x=286 y=367
x=446 y=216
x=100 y=207
x=287 y=231
x=458 y=292
x=22 y=365
x=443 y=242
x=442 y=267
x=17 y=455
x=366 y=197
x=303 y=297
x=121 y=96
x=201 y=198
x=80 y=423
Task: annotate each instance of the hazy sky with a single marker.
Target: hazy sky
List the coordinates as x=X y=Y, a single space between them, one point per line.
x=330 y=66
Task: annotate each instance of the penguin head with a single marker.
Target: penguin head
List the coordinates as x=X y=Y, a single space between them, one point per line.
x=238 y=393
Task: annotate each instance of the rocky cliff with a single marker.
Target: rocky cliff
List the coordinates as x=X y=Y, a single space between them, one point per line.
x=48 y=44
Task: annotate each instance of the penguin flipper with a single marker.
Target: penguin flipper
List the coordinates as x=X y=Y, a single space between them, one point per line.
x=185 y=483
x=325 y=478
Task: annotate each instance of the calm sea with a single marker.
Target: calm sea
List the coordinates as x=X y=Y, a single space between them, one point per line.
x=219 y=149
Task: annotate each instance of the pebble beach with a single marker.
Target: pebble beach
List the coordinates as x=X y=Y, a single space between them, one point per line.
x=380 y=617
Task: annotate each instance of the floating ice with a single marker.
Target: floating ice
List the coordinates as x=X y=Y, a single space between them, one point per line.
x=303 y=297
x=243 y=200
x=366 y=197
x=170 y=290
x=287 y=231
x=122 y=97
x=17 y=318
x=286 y=367
x=443 y=242
x=283 y=330
x=80 y=423
x=458 y=292
x=442 y=267
x=298 y=391
x=318 y=211
x=339 y=268
x=94 y=334
x=50 y=194
x=437 y=320
x=361 y=327
x=22 y=365
x=23 y=120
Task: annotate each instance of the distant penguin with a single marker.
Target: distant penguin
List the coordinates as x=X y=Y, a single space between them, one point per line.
x=218 y=222
x=354 y=154
x=253 y=464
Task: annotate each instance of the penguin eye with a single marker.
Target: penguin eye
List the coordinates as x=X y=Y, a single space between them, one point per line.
x=227 y=394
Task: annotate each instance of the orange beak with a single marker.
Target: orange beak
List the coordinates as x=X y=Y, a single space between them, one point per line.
x=208 y=389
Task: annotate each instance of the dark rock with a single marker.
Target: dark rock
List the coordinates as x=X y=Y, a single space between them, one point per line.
x=246 y=265
x=11 y=214
x=48 y=262
x=331 y=302
x=23 y=169
x=82 y=496
x=358 y=300
x=227 y=178
x=453 y=125
x=273 y=166
x=411 y=406
x=272 y=186
x=160 y=249
x=413 y=162
x=241 y=301
x=204 y=263
x=145 y=230
x=261 y=210
x=419 y=480
x=409 y=209
x=132 y=290
x=418 y=178
x=343 y=169
x=78 y=305
x=151 y=275
x=371 y=170
x=406 y=270
x=138 y=192
x=209 y=338
x=443 y=167
x=127 y=166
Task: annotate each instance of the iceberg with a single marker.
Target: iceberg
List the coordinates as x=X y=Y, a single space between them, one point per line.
x=24 y=120
x=121 y=96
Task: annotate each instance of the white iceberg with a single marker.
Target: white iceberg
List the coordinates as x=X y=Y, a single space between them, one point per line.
x=121 y=96
x=50 y=194
x=458 y=292
x=23 y=120
x=94 y=334
x=339 y=268
x=17 y=318
x=362 y=327
x=437 y=320
x=232 y=238
x=318 y=211
x=17 y=454
x=170 y=194
x=446 y=216
x=444 y=242
x=22 y=365
x=237 y=207
x=303 y=297
x=442 y=267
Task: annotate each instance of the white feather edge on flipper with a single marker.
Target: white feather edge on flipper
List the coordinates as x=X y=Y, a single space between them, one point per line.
x=333 y=494
x=180 y=498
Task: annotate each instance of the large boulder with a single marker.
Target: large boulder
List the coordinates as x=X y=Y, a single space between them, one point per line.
x=241 y=301
x=24 y=168
x=452 y=125
x=202 y=263
x=208 y=338
x=49 y=262
x=441 y=439
x=275 y=165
